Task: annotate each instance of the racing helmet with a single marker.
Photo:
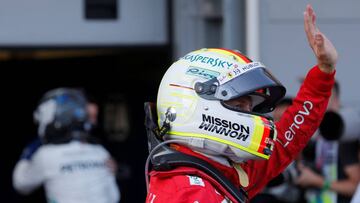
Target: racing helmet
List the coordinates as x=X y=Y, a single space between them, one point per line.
x=193 y=95
x=61 y=115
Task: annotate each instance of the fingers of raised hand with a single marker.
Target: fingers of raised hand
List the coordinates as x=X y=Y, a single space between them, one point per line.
x=309 y=24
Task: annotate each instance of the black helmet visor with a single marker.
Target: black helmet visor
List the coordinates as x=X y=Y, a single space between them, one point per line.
x=244 y=80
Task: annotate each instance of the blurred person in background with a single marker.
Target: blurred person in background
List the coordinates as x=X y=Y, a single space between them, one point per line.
x=351 y=117
x=330 y=171
x=64 y=158
x=210 y=109
x=92 y=108
x=93 y=111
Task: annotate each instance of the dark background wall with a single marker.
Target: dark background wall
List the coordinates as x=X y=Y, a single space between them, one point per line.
x=132 y=73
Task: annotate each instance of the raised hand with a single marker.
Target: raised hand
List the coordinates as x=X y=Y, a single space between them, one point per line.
x=324 y=50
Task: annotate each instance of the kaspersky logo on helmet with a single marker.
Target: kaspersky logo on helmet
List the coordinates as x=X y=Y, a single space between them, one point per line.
x=213 y=62
x=224 y=127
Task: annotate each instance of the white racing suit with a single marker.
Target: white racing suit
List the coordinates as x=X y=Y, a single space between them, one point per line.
x=74 y=172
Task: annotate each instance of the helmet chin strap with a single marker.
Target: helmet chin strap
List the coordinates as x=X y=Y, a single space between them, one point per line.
x=243 y=177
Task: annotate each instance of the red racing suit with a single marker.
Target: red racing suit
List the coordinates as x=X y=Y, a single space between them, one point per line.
x=297 y=125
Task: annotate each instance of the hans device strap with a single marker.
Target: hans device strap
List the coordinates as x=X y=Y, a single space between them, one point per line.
x=166 y=158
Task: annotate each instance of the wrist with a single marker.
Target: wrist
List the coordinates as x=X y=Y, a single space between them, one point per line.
x=327 y=68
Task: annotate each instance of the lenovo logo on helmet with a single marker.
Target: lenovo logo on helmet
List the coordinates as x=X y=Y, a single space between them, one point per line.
x=224 y=127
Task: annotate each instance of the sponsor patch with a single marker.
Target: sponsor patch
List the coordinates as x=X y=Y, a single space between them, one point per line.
x=225 y=127
x=239 y=70
x=213 y=62
x=194 y=180
x=298 y=120
x=201 y=72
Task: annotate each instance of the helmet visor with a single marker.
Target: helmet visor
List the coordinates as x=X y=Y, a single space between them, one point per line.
x=246 y=80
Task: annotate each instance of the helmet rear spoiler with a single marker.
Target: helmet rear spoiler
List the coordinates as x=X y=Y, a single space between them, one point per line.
x=166 y=158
